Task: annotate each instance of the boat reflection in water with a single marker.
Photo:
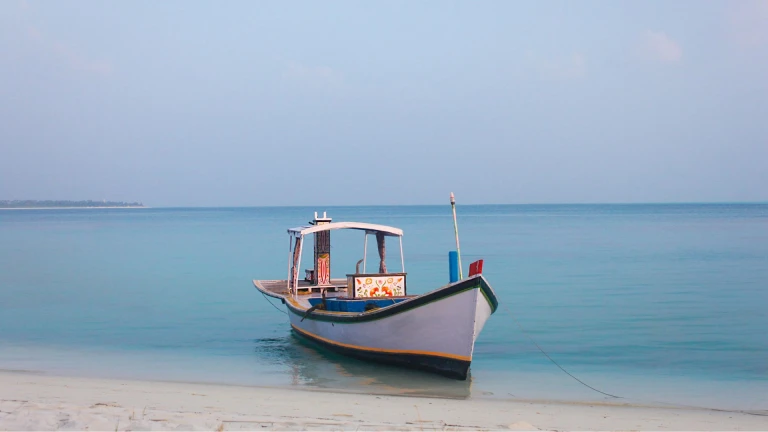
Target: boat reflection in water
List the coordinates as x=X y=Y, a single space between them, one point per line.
x=311 y=366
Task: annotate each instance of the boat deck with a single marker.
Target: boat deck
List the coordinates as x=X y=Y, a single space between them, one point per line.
x=280 y=287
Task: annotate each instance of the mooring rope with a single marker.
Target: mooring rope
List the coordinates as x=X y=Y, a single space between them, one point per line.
x=553 y=360
x=614 y=396
x=273 y=305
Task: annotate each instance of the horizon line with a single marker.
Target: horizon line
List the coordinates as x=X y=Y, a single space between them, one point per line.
x=413 y=205
x=474 y=204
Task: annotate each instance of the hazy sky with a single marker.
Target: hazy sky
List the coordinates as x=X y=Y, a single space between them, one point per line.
x=179 y=103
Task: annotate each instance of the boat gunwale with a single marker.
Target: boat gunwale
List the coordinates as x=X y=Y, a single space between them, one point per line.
x=477 y=281
x=260 y=287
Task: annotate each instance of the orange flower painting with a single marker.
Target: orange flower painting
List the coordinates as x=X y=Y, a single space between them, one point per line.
x=379 y=286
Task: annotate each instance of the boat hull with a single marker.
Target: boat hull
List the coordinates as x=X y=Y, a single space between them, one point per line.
x=452 y=368
x=434 y=332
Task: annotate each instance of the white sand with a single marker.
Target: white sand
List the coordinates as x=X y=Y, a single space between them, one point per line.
x=40 y=402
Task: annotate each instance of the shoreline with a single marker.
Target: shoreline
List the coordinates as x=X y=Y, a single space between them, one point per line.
x=34 y=401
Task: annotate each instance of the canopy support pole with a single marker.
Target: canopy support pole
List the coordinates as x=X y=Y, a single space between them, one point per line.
x=381 y=242
x=298 y=264
x=290 y=260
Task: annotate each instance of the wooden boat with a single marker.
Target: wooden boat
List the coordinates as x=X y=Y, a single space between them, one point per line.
x=371 y=316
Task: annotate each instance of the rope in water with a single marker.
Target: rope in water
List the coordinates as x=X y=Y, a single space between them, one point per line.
x=553 y=360
x=611 y=395
x=273 y=305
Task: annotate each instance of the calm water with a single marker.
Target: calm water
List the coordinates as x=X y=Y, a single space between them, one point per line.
x=652 y=302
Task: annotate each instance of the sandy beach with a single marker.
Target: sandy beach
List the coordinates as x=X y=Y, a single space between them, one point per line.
x=31 y=401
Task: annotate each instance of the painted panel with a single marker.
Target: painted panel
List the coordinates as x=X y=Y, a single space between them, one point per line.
x=324 y=269
x=322 y=256
x=379 y=286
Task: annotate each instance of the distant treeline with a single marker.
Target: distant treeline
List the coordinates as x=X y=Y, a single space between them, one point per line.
x=61 y=203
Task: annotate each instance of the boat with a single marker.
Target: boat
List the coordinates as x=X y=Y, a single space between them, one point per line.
x=370 y=315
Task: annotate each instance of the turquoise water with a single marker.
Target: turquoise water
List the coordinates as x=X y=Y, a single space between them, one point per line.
x=653 y=302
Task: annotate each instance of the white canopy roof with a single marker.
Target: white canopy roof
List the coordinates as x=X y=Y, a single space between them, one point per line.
x=372 y=228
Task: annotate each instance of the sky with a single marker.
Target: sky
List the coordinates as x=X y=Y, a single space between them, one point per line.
x=258 y=103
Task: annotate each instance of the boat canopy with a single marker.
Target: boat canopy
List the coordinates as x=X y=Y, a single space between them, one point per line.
x=367 y=227
x=321 y=227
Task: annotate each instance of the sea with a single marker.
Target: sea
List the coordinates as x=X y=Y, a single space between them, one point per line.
x=651 y=303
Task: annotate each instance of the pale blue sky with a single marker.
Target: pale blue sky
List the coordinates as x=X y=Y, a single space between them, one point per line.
x=190 y=103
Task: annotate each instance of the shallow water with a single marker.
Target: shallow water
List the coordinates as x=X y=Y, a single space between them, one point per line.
x=652 y=302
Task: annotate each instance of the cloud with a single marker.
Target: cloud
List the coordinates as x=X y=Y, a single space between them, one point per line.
x=569 y=67
x=68 y=55
x=748 y=22
x=660 y=47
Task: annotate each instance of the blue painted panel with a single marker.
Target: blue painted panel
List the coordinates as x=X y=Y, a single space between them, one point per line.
x=355 y=305
x=349 y=305
x=332 y=305
x=453 y=266
x=315 y=301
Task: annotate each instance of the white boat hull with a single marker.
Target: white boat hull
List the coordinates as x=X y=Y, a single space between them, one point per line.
x=435 y=331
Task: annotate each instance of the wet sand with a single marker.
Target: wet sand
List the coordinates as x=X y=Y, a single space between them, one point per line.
x=30 y=401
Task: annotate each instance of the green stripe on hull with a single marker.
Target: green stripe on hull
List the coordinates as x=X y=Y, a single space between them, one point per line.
x=451 y=290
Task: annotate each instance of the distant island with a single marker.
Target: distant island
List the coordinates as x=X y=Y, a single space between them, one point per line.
x=35 y=204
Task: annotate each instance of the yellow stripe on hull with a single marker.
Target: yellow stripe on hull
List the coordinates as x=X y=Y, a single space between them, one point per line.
x=381 y=350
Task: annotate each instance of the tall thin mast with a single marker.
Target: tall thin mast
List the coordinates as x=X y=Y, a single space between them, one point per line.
x=456 y=230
